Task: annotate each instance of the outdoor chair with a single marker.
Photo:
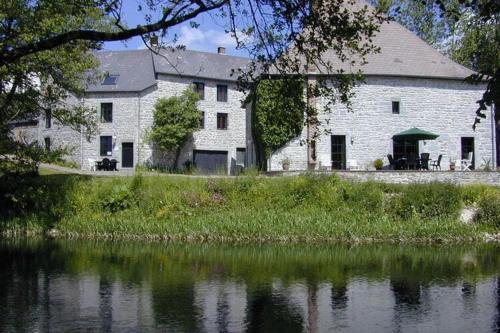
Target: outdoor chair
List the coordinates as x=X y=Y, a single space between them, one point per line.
x=437 y=164
x=353 y=165
x=392 y=163
x=466 y=164
x=424 y=161
x=105 y=164
x=112 y=165
x=91 y=162
x=412 y=162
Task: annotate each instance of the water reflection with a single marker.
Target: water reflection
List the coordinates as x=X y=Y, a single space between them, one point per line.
x=113 y=287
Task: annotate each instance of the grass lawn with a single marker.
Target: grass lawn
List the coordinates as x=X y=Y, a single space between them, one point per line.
x=309 y=208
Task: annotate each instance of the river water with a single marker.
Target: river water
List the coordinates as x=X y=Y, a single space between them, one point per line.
x=71 y=286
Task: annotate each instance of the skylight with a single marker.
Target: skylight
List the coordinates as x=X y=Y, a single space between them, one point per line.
x=110 y=80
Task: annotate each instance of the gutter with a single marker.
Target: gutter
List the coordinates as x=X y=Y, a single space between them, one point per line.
x=493 y=138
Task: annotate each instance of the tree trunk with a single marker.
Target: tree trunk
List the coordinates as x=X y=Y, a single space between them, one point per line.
x=176 y=160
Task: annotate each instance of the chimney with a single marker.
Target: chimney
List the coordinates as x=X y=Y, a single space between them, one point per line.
x=221 y=50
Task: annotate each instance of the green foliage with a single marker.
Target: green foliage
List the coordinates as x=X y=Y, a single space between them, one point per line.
x=122 y=196
x=309 y=208
x=278 y=112
x=427 y=201
x=489 y=209
x=175 y=119
x=117 y=200
x=378 y=164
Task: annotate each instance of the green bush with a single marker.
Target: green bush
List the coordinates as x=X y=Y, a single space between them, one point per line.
x=489 y=209
x=120 y=199
x=427 y=201
x=378 y=164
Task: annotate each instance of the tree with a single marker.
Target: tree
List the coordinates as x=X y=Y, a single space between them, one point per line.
x=277 y=115
x=46 y=46
x=175 y=120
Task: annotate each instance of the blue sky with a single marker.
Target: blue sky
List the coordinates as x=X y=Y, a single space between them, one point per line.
x=207 y=37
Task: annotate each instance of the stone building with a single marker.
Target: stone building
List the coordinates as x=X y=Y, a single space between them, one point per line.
x=408 y=84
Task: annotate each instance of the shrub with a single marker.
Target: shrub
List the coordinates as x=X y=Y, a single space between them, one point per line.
x=427 y=201
x=378 y=164
x=118 y=200
x=489 y=209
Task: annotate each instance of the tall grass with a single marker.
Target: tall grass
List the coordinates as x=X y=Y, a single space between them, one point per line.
x=308 y=208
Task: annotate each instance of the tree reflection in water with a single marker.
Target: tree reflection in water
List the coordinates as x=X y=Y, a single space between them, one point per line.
x=74 y=286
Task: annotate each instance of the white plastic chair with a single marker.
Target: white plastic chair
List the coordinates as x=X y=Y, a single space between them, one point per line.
x=91 y=164
x=467 y=163
x=353 y=165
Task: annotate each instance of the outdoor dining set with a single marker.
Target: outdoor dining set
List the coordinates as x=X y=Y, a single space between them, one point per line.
x=413 y=162
x=104 y=165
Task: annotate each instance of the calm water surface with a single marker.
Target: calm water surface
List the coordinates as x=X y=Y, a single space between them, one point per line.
x=63 y=286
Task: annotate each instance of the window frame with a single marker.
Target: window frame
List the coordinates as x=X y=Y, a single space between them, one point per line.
x=48 y=119
x=47 y=143
x=198 y=90
x=222 y=93
x=103 y=118
x=110 y=80
x=202 y=119
x=393 y=109
x=225 y=116
x=110 y=146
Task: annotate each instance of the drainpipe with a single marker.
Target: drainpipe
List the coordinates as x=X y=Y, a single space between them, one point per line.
x=494 y=137
x=312 y=130
x=138 y=128
x=81 y=140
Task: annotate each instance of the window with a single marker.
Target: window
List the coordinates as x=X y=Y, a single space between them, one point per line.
x=106 y=145
x=395 y=107
x=202 y=120
x=240 y=156
x=47 y=144
x=106 y=112
x=199 y=88
x=110 y=80
x=222 y=121
x=221 y=93
x=48 y=119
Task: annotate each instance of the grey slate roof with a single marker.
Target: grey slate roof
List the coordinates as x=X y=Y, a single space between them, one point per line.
x=404 y=54
x=198 y=64
x=135 y=70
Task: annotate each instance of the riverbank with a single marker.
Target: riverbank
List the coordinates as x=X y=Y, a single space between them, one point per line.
x=307 y=208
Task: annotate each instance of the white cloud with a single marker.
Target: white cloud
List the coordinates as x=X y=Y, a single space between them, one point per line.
x=207 y=40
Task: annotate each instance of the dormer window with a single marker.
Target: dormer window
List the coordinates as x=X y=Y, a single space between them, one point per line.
x=110 y=80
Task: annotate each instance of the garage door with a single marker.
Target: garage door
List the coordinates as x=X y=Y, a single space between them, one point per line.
x=210 y=161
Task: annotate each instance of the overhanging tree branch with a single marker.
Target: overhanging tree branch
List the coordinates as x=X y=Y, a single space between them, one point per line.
x=16 y=53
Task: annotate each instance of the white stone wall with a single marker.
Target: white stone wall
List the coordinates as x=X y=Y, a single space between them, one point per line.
x=123 y=128
x=208 y=138
x=133 y=117
x=444 y=107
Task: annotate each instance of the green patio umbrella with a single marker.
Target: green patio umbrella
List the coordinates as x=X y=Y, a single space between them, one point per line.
x=415 y=134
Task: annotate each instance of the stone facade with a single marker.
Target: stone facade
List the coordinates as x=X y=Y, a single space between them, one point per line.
x=207 y=138
x=444 y=107
x=133 y=117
